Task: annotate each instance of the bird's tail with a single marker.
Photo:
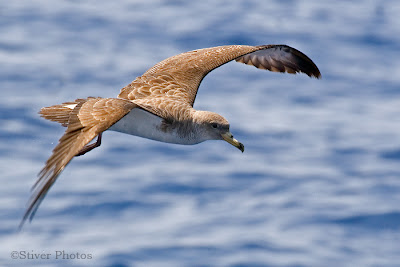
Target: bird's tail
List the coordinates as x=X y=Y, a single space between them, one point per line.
x=61 y=113
x=85 y=119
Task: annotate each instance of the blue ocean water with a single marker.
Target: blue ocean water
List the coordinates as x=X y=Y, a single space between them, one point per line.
x=318 y=183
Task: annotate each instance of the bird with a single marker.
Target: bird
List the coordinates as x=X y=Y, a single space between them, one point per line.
x=157 y=105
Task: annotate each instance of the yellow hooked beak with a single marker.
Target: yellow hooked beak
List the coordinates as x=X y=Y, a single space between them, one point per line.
x=228 y=137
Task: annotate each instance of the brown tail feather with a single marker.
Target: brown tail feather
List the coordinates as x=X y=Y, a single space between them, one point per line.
x=60 y=113
x=88 y=119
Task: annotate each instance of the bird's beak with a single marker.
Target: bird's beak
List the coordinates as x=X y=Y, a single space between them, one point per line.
x=228 y=137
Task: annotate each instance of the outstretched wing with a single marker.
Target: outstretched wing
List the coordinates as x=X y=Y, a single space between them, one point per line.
x=179 y=77
x=89 y=118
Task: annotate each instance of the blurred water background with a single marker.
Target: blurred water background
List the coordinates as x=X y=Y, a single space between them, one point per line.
x=318 y=184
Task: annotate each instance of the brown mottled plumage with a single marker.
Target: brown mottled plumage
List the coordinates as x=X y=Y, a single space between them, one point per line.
x=158 y=105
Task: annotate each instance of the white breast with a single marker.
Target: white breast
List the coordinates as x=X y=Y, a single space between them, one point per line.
x=141 y=123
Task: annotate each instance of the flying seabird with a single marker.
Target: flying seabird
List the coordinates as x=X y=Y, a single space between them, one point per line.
x=157 y=105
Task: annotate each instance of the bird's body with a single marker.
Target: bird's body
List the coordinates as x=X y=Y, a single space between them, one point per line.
x=158 y=105
x=142 y=123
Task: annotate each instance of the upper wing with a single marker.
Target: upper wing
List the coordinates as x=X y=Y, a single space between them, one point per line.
x=179 y=77
x=89 y=118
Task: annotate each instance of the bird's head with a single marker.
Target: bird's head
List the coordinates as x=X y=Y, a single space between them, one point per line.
x=215 y=127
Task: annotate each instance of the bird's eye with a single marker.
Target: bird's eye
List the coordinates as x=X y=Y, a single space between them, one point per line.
x=214 y=125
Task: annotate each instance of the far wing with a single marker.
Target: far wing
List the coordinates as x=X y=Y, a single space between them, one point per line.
x=179 y=77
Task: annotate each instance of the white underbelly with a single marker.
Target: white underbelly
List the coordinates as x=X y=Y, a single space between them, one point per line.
x=142 y=123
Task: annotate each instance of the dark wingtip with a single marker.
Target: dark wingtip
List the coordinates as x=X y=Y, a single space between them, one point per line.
x=305 y=64
x=308 y=66
x=241 y=147
x=21 y=224
x=281 y=58
x=316 y=75
x=314 y=71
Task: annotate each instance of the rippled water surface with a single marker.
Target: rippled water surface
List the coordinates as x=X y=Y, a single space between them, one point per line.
x=318 y=184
